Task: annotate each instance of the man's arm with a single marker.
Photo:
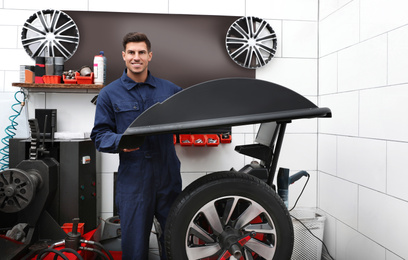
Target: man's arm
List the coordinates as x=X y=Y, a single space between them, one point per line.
x=104 y=133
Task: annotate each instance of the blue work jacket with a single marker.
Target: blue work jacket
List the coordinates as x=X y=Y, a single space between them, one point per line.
x=118 y=105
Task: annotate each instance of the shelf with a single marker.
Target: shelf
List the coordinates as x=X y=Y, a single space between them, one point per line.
x=57 y=86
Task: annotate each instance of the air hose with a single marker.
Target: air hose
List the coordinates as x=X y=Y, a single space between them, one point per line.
x=10 y=130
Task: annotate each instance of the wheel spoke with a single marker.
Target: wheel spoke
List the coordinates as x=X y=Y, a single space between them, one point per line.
x=54 y=19
x=33 y=40
x=235 y=40
x=39 y=49
x=266 y=48
x=262 y=249
x=32 y=28
x=259 y=57
x=211 y=214
x=62 y=49
x=247 y=216
x=200 y=233
x=240 y=30
x=264 y=228
x=251 y=27
x=247 y=254
x=239 y=51
x=229 y=209
x=260 y=29
x=64 y=27
x=199 y=252
x=43 y=21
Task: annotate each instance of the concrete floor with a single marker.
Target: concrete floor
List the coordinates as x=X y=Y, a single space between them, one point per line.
x=153 y=248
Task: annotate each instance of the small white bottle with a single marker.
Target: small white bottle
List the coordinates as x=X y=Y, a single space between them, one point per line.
x=100 y=69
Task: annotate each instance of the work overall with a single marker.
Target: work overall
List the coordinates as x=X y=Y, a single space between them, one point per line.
x=149 y=178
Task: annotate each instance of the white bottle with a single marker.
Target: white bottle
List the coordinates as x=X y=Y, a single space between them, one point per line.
x=100 y=69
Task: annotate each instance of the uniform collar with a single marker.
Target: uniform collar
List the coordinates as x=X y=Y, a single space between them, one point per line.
x=129 y=83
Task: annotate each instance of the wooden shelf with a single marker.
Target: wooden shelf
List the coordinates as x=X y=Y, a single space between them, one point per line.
x=57 y=86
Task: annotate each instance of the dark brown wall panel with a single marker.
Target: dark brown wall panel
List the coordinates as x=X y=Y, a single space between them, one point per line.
x=187 y=49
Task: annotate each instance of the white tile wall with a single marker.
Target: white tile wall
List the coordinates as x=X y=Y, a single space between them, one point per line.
x=299 y=39
x=328 y=74
x=299 y=75
x=327 y=153
x=379 y=16
x=383 y=219
x=11 y=40
x=329 y=236
x=46 y=4
x=363 y=65
x=339 y=198
x=299 y=152
x=14 y=58
x=391 y=256
x=283 y=9
x=138 y=6
x=362 y=161
x=354 y=246
x=340 y=29
x=189 y=177
x=397 y=56
x=9 y=78
x=211 y=159
x=344 y=108
x=397 y=169
x=382 y=113
x=213 y=7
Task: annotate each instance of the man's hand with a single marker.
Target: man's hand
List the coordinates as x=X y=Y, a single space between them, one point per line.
x=130 y=150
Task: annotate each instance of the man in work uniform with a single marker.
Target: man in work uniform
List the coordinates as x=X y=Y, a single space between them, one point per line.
x=149 y=176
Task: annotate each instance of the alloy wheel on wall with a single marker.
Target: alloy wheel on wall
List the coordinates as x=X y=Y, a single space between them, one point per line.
x=251 y=42
x=50 y=33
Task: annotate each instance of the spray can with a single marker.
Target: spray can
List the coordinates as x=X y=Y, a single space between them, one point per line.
x=100 y=69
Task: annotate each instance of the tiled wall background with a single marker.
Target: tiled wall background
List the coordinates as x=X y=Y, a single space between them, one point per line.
x=362 y=162
x=351 y=56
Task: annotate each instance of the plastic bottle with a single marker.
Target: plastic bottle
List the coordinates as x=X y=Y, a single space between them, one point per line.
x=100 y=69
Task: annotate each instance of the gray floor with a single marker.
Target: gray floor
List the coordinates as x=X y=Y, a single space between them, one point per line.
x=153 y=248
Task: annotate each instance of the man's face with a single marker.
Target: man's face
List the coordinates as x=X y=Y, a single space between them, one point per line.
x=136 y=57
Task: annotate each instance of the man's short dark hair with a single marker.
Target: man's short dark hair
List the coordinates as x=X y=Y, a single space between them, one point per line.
x=136 y=37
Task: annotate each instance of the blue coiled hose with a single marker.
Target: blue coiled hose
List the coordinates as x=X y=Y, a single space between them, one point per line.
x=10 y=130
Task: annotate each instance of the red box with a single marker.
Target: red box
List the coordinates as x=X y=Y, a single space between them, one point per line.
x=84 y=79
x=186 y=140
x=199 y=140
x=225 y=138
x=67 y=227
x=213 y=140
x=69 y=81
x=52 y=79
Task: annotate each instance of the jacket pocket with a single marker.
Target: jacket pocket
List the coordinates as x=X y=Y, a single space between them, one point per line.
x=126 y=106
x=125 y=113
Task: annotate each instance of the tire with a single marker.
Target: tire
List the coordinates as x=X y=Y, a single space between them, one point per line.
x=216 y=216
